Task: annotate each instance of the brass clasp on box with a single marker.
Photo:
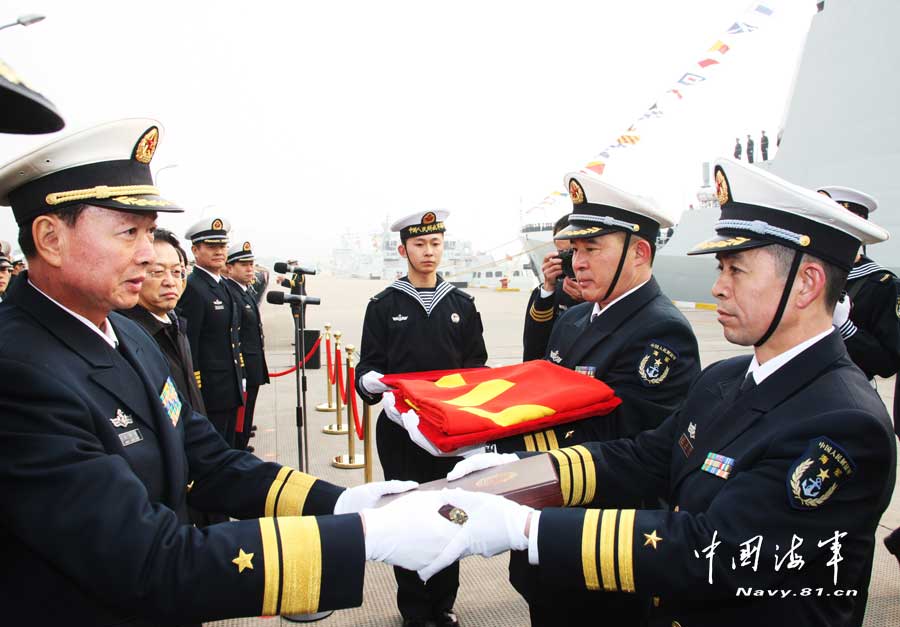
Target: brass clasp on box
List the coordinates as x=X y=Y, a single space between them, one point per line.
x=329 y=373
x=351 y=459
x=337 y=428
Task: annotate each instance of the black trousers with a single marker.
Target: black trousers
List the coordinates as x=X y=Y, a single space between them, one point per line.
x=401 y=459
x=223 y=420
x=242 y=438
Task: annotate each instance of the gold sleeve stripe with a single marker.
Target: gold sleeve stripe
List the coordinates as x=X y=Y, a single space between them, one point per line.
x=275 y=490
x=292 y=499
x=590 y=474
x=626 y=550
x=551 y=439
x=565 y=477
x=589 y=549
x=607 y=549
x=272 y=559
x=197 y=376
x=541 y=442
x=540 y=315
x=577 y=476
x=529 y=443
x=302 y=557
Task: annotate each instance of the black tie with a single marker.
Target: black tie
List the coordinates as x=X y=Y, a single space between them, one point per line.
x=748 y=383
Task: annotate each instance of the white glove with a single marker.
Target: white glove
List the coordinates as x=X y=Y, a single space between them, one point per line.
x=409 y=532
x=841 y=311
x=494 y=525
x=371 y=383
x=389 y=405
x=480 y=462
x=358 y=498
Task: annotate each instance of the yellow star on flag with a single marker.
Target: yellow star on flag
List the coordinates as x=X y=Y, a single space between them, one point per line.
x=243 y=560
x=823 y=474
x=652 y=538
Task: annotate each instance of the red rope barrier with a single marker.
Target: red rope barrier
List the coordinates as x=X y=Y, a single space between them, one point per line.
x=351 y=371
x=305 y=359
x=338 y=374
x=328 y=360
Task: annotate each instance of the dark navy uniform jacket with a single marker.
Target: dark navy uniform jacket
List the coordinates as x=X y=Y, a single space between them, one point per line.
x=400 y=336
x=808 y=453
x=642 y=347
x=96 y=454
x=873 y=338
x=213 y=328
x=542 y=314
x=252 y=338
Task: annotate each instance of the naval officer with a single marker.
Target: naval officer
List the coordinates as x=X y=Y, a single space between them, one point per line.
x=777 y=466
x=241 y=274
x=420 y=322
x=629 y=335
x=97 y=447
x=214 y=325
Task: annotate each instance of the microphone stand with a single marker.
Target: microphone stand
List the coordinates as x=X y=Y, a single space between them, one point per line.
x=298 y=311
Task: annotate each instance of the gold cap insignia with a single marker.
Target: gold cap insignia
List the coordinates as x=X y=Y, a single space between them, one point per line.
x=146 y=146
x=723 y=193
x=246 y=247
x=217 y=224
x=804 y=240
x=576 y=192
x=429 y=218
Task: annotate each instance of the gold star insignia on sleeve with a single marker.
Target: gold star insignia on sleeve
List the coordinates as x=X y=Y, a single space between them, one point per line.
x=652 y=539
x=243 y=560
x=823 y=474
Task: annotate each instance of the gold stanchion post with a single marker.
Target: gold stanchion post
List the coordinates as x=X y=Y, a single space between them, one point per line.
x=336 y=428
x=367 y=441
x=329 y=406
x=351 y=460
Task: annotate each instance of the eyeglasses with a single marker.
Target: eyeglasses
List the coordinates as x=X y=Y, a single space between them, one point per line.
x=6 y=270
x=176 y=273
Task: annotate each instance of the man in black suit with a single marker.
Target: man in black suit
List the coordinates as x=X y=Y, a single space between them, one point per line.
x=241 y=275
x=98 y=448
x=777 y=467
x=155 y=312
x=213 y=326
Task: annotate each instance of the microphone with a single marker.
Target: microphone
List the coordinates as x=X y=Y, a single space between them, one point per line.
x=283 y=268
x=280 y=298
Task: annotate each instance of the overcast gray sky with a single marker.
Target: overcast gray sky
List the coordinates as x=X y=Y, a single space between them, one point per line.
x=300 y=120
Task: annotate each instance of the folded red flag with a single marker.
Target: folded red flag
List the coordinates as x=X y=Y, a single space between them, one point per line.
x=474 y=405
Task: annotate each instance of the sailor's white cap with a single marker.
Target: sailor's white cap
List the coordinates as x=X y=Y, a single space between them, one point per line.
x=421 y=223
x=860 y=203
x=599 y=208
x=209 y=230
x=759 y=208
x=107 y=166
x=241 y=251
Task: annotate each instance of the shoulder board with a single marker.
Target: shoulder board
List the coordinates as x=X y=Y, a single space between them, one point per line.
x=464 y=294
x=885 y=277
x=380 y=295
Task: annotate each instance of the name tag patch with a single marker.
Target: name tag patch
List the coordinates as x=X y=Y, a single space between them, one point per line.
x=171 y=402
x=131 y=437
x=685 y=443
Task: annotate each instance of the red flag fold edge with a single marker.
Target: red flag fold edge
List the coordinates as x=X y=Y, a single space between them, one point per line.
x=459 y=408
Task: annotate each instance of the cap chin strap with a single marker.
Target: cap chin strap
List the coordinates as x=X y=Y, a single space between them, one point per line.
x=789 y=283
x=615 y=280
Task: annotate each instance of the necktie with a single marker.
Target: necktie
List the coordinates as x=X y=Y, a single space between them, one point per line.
x=748 y=383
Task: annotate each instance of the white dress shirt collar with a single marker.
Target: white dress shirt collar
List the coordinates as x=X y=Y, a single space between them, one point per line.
x=599 y=310
x=762 y=372
x=217 y=277
x=106 y=332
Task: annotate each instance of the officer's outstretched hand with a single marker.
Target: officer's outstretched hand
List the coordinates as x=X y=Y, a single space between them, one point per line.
x=493 y=525
x=371 y=383
x=409 y=532
x=480 y=462
x=358 y=498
